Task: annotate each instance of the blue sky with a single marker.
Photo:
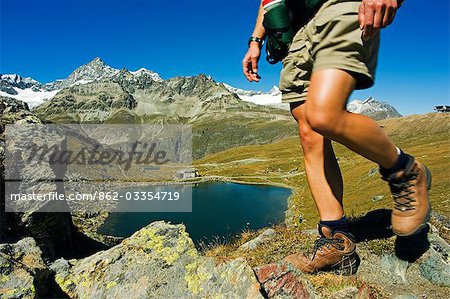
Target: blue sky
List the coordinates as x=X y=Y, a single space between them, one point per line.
x=48 y=39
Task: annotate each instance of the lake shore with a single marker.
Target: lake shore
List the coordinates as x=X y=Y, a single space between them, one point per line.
x=89 y=223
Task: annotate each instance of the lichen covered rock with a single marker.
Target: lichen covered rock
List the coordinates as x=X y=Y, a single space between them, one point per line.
x=159 y=261
x=22 y=270
x=435 y=265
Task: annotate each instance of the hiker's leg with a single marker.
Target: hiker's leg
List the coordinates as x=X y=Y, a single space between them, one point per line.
x=326 y=114
x=322 y=169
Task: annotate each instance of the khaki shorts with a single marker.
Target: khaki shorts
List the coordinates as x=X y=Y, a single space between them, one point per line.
x=332 y=39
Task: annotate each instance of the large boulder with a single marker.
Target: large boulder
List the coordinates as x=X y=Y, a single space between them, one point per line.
x=52 y=231
x=159 y=261
x=22 y=270
x=435 y=264
x=265 y=236
x=426 y=274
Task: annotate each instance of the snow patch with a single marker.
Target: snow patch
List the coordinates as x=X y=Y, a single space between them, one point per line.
x=257 y=97
x=82 y=81
x=31 y=97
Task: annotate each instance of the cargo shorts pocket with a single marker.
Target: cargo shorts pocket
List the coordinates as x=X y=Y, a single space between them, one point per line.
x=337 y=43
x=297 y=65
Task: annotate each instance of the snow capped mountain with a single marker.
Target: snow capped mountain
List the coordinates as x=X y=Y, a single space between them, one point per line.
x=257 y=97
x=97 y=70
x=143 y=71
x=94 y=70
x=18 y=81
x=35 y=93
x=9 y=83
x=241 y=92
x=370 y=107
x=373 y=108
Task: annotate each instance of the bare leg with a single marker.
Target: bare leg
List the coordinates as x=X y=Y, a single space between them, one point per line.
x=322 y=169
x=326 y=114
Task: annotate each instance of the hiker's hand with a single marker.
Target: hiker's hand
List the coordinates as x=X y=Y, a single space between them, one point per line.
x=375 y=14
x=250 y=63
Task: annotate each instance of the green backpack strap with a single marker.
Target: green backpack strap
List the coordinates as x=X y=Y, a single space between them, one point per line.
x=278 y=25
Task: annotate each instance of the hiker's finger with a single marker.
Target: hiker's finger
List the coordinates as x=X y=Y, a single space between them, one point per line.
x=255 y=68
x=361 y=16
x=246 y=67
x=393 y=12
x=380 y=9
x=369 y=10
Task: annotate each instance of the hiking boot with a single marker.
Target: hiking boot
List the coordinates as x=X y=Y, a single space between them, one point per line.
x=331 y=252
x=409 y=188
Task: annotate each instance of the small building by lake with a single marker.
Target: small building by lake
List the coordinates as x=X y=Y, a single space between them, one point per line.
x=442 y=109
x=188 y=173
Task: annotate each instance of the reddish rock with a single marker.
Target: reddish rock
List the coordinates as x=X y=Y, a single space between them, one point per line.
x=283 y=280
x=365 y=293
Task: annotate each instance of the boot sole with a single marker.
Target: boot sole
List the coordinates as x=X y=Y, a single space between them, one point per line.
x=428 y=215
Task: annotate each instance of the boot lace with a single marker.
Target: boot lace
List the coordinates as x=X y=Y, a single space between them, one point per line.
x=323 y=241
x=401 y=191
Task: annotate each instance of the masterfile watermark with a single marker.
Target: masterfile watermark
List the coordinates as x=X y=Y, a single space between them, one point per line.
x=99 y=156
x=86 y=168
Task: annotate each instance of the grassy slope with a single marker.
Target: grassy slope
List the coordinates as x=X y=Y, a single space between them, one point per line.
x=217 y=133
x=424 y=136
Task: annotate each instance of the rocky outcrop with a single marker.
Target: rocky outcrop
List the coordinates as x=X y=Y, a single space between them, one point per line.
x=281 y=280
x=435 y=264
x=22 y=270
x=263 y=237
x=159 y=261
x=423 y=269
x=15 y=111
x=52 y=231
x=11 y=111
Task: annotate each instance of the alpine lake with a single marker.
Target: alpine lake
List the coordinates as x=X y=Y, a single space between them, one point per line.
x=220 y=211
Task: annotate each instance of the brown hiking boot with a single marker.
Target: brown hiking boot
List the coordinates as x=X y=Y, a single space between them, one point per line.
x=409 y=188
x=332 y=252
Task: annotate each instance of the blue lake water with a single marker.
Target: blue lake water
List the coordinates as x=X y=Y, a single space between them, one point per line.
x=220 y=211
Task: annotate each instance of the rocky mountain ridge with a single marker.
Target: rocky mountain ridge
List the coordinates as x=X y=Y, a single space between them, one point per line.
x=9 y=81
x=373 y=108
x=370 y=107
x=35 y=93
x=91 y=92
